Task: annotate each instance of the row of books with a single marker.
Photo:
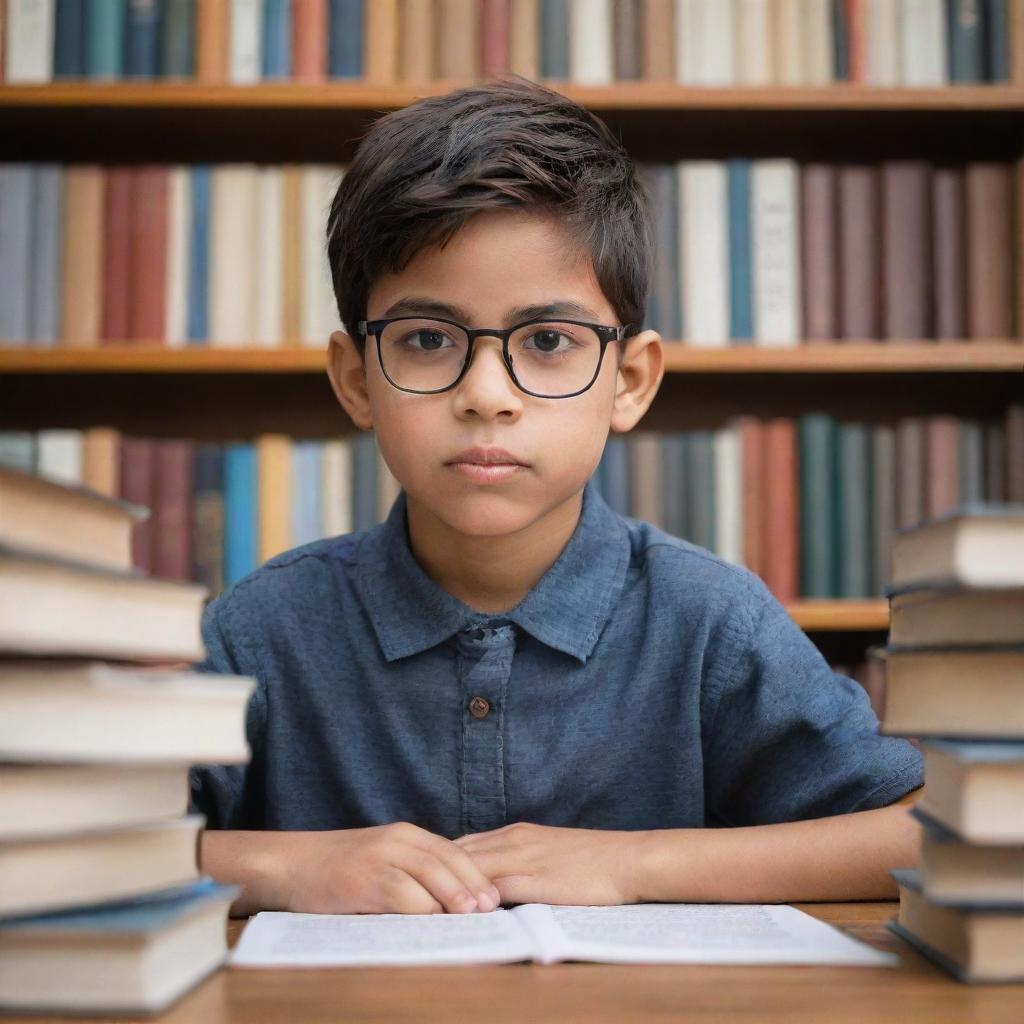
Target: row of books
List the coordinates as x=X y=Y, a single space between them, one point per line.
x=695 y=42
x=955 y=680
x=762 y=252
x=807 y=504
x=102 y=907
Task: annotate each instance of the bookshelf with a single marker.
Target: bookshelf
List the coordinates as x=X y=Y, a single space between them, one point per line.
x=212 y=393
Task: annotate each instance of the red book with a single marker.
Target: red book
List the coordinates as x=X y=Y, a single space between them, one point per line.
x=493 y=37
x=148 y=295
x=309 y=40
x=172 y=516
x=942 y=464
x=137 y=485
x=855 y=40
x=819 y=251
x=117 y=255
x=780 y=540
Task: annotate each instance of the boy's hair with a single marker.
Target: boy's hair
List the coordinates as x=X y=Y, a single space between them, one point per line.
x=422 y=171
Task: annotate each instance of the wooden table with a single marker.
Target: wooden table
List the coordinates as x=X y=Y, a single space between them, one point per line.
x=586 y=993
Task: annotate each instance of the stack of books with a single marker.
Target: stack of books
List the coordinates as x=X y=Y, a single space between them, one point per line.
x=102 y=908
x=955 y=679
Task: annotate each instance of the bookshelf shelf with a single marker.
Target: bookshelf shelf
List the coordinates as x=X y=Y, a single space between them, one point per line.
x=830 y=358
x=627 y=95
x=840 y=615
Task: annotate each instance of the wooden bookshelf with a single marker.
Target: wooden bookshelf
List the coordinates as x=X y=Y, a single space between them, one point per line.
x=830 y=358
x=175 y=121
x=840 y=616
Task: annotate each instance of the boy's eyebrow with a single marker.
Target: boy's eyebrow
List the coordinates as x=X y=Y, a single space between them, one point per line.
x=418 y=305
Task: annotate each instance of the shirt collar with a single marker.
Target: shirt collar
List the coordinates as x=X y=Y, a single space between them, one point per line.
x=566 y=609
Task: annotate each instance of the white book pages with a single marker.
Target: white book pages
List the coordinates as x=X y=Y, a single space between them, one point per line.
x=817 y=42
x=648 y=933
x=268 y=301
x=318 y=312
x=28 y=42
x=245 y=42
x=882 y=31
x=336 y=489
x=179 y=238
x=923 y=43
x=590 y=42
x=59 y=455
x=789 y=62
x=706 y=45
x=775 y=231
x=728 y=494
x=704 y=247
x=233 y=198
x=753 y=38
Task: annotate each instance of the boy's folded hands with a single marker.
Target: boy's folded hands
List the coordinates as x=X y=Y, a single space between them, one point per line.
x=387 y=869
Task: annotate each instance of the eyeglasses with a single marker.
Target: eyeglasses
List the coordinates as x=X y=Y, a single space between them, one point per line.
x=544 y=358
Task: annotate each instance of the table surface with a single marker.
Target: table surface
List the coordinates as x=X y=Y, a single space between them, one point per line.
x=590 y=993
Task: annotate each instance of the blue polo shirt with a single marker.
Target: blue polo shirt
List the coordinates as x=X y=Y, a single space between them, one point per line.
x=642 y=683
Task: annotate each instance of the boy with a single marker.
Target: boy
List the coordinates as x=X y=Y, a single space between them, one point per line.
x=507 y=692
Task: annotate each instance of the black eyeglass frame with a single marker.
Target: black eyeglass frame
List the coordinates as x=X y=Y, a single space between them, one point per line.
x=606 y=334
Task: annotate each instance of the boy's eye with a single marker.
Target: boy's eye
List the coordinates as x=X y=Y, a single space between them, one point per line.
x=546 y=340
x=427 y=340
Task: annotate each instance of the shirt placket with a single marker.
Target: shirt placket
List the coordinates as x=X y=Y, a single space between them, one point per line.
x=485 y=664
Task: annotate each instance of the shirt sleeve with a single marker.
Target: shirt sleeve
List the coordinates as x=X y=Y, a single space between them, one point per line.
x=784 y=737
x=228 y=794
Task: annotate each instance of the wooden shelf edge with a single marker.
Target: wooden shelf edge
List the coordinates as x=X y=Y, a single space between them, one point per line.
x=840 y=615
x=368 y=96
x=830 y=358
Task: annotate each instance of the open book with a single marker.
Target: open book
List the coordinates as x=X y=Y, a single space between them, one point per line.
x=648 y=933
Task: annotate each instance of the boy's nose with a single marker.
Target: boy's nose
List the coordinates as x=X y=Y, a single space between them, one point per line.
x=487 y=390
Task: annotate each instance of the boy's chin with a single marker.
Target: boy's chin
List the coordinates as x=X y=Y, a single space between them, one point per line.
x=488 y=512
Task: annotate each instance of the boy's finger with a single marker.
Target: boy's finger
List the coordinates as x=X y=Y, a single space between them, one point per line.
x=441 y=882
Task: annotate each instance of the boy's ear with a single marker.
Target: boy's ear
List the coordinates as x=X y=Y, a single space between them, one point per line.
x=639 y=377
x=347 y=374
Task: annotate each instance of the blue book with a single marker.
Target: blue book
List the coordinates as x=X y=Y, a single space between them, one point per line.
x=840 y=41
x=241 y=512
x=199 y=246
x=554 y=39
x=664 y=312
x=105 y=24
x=306 y=492
x=277 y=39
x=364 y=481
x=177 y=39
x=18 y=450
x=615 y=470
x=965 y=41
x=45 y=255
x=997 y=40
x=69 y=39
x=345 y=39
x=741 y=281
x=108 y=952
x=142 y=39
x=673 y=484
x=16 y=185
x=853 y=510
x=700 y=488
x=819 y=494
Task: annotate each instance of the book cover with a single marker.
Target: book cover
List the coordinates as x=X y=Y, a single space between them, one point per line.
x=82 y=257
x=310 y=38
x=906 y=248
x=142 y=39
x=819 y=251
x=345 y=57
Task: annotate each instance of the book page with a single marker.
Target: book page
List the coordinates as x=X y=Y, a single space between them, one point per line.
x=278 y=939
x=654 y=933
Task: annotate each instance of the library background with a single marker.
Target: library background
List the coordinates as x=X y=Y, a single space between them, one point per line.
x=837 y=196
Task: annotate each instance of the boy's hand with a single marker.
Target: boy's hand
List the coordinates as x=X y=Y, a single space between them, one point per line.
x=387 y=869
x=566 y=866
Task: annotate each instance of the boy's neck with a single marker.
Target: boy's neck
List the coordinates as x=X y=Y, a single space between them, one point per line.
x=490 y=574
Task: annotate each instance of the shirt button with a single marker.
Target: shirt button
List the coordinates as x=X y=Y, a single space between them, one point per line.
x=479 y=707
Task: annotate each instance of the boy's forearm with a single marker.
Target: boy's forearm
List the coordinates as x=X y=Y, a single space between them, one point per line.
x=249 y=859
x=846 y=857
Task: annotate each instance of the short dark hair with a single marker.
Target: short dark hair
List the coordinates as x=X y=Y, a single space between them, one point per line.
x=422 y=171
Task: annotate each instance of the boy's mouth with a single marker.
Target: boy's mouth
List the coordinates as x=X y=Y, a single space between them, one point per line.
x=486 y=465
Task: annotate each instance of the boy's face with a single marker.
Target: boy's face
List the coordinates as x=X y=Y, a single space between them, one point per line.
x=497 y=261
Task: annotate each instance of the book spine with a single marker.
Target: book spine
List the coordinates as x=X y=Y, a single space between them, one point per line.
x=346 y=39
x=277 y=40
x=989 y=198
x=705 y=252
x=69 y=37
x=626 y=40
x=860 y=253
x=416 y=43
x=819 y=249
x=906 y=245
x=118 y=206
x=554 y=39
x=213 y=31
x=590 y=42
x=245 y=41
x=241 y=512
x=776 y=249
x=172 y=513
x=741 y=283
x=148 y=255
x=208 y=521
x=657 y=30
x=854 y=510
x=177 y=40
x=457 y=35
x=82 y=261
x=781 y=551
x=29 y=41
x=524 y=38
x=310 y=39
x=494 y=15
x=949 y=285
x=818 y=492
x=966 y=55
x=142 y=39
x=16 y=188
